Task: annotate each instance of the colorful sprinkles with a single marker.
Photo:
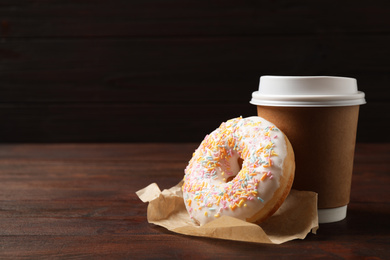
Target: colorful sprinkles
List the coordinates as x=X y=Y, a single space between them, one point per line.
x=211 y=184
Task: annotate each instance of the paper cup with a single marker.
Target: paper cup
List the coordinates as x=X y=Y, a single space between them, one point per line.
x=319 y=115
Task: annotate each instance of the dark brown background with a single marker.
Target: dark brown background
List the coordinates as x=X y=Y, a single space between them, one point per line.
x=171 y=71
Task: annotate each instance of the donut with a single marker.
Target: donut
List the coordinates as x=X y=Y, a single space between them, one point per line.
x=243 y=169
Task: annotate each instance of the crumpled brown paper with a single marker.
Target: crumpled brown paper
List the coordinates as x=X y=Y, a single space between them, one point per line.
x=294 y=220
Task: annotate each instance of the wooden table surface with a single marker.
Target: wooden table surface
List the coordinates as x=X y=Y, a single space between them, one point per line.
x=79 y=201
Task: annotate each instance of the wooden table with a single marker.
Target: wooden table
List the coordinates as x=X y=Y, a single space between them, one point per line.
x=79 y=201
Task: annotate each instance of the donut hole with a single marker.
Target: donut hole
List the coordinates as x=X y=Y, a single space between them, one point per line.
x=240 y=161
x=230 y=178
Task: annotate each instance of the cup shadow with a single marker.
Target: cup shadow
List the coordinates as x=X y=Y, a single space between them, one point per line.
x=363 y=219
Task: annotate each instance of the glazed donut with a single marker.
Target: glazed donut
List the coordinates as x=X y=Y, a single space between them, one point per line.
x=243 y=169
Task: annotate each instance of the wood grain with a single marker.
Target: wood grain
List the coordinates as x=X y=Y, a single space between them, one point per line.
x=78 y=201
x=105 y=71
x=32 y=18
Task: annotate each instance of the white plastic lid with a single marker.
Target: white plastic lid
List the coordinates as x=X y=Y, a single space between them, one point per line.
x=307 y=91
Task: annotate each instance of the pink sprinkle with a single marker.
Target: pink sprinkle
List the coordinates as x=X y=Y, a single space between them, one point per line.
x=275 y=136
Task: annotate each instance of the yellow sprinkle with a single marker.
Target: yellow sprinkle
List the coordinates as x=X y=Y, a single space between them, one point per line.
x=240 y=203
x=216 y=215
x=244 y=205
x=205 y=213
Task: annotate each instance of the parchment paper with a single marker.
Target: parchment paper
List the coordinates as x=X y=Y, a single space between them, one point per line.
x=294 y=220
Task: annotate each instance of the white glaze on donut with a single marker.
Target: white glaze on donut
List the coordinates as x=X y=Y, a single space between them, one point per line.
x=208 y=191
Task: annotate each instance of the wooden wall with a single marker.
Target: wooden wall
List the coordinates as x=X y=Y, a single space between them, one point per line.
x=172 y=71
